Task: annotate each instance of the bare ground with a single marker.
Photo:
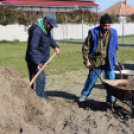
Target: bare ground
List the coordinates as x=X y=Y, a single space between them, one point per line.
x=22 y=111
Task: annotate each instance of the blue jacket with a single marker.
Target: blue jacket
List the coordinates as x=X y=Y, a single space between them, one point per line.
x=38 y=49
x=112 y=47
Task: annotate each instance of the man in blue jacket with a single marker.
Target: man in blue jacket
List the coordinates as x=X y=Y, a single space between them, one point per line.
x=99 y=51
x=38 y=50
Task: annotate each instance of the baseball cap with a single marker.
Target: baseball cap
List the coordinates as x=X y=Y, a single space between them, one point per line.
x=49 y=18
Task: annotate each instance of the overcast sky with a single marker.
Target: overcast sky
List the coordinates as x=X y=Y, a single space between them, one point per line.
x=104 y=4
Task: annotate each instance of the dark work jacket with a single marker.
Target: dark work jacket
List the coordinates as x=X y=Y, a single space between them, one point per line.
x=38 y=49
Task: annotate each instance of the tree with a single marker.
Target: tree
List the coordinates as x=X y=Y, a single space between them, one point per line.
x=31 y=17
x=21 y=17
x=59 y=18
x=12 y=14
x=77 y=16
x=8 y=14
x=132 y=18
x=114 y=17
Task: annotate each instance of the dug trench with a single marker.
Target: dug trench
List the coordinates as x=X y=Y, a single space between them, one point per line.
x=22 y=111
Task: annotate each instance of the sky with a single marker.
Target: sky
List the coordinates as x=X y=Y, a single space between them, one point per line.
x=104 y=4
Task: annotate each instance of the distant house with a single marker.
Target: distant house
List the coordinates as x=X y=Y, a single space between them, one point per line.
x=121 y=9
x=43 y=7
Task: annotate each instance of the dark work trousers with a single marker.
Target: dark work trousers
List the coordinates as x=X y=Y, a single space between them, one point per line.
x=39 y=84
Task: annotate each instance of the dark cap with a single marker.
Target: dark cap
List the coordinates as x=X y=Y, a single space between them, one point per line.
x=49 y=18
x=105 y=19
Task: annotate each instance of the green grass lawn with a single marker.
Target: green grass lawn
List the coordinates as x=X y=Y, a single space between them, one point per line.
x=127 y=40
x=69 y=59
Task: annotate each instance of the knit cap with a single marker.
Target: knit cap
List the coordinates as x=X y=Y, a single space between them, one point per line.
x=105 y=19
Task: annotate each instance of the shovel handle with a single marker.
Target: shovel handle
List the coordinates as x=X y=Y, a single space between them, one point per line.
x=34 y=78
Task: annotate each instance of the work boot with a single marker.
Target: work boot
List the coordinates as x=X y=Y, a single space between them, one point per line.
x=111 y=101
x=82 y=99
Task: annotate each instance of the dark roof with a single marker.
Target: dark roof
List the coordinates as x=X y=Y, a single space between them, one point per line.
x=120 y=8
x=50 y=3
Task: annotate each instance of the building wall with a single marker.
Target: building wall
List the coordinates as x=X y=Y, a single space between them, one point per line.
x=66 y=31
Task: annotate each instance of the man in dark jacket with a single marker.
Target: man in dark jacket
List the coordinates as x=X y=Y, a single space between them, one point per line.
x=99 y=51
x=38 y=50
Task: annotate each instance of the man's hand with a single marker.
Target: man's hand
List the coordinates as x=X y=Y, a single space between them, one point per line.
x=40 y=66
x=116 y=64
x=57 y=50
x=87 y=64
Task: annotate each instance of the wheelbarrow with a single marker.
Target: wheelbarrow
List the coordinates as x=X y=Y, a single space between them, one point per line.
x=124 y=72
x=122 y=94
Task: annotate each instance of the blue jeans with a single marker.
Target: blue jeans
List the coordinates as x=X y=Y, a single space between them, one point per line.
x=92 y=78
x=40 y=80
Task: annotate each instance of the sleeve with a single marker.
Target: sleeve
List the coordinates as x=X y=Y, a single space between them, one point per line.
x=33 y=46
x=86 y=47
x=53 y=43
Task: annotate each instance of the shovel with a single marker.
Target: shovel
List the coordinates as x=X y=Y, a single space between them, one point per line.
x=34 y=78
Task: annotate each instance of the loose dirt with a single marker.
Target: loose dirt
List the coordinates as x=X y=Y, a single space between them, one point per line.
x=127 y=86
x=23 y=112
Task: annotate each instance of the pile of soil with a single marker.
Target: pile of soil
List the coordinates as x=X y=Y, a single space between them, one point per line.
x=23 y=112
x=126 y=86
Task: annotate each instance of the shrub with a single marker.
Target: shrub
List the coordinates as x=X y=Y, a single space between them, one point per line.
x=10 y=14
x=77 y=16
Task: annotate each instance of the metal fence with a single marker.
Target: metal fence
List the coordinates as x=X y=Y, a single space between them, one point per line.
x=76 y=33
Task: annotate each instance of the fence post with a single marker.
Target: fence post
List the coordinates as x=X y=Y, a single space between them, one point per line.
x=82 y=30
x=122 y=31
x=66 y=30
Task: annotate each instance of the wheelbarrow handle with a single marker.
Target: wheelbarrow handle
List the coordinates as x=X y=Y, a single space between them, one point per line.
x=122 y=66
x=96 y=73
x=120 y=70
x=99 y=75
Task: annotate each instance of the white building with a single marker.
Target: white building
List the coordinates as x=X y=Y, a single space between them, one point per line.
x=52 y=6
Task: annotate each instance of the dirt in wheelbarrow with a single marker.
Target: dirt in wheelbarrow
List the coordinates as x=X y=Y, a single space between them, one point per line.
x=126 y=86
x=23 y=112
